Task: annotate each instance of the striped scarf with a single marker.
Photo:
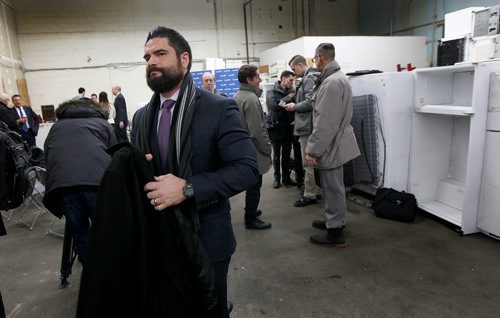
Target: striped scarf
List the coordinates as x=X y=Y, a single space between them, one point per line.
x=180 y=145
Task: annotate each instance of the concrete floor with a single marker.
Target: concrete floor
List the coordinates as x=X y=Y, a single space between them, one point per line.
x=389 y=269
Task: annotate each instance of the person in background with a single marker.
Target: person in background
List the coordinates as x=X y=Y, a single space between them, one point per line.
x=303 y=108
x=27 y=120
x=252 y=114
x=81 y=131
x=81 y=93
x=94 y=97
x=215 y=149
x=332 y=143
x=105 y=104
x=208 y=83
x=5 y=115
x=121 y=118
x=280 y=128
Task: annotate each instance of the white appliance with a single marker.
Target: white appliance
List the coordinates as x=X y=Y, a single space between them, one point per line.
x=393 y=101
x=489 y=206
x=483 y=48
x=448 y=140
x=465 y=22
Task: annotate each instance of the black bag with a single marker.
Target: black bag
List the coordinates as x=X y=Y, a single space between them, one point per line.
x=395 y=205
x=14 y=160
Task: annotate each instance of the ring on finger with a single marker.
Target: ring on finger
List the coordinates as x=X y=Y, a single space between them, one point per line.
x=154 y=201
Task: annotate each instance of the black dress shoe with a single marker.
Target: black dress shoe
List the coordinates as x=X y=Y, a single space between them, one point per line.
x=289 y=182
x=303 y=201
x=276 y=184
x=258 y=225
x=319 y=224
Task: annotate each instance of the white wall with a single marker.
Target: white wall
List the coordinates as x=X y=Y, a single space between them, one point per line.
x=66 y=44
x=356 y=52
x=10 y=66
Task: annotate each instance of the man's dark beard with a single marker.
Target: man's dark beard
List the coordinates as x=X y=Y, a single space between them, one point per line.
x=165 y=82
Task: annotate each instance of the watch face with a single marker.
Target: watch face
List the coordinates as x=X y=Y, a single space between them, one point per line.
x=188 y=190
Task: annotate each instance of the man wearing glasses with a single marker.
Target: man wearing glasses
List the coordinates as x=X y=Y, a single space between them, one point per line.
x=332 y=143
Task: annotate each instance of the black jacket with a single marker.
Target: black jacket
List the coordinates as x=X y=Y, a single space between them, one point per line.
x=7 y=118
x=121 y=110
x=75 y=151
x=280 y=118
x=141 y=262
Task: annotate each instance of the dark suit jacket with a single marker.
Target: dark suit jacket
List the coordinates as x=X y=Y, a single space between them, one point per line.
x=121 y=110
x=6 y=117
x=223 y=164
x=33 y=121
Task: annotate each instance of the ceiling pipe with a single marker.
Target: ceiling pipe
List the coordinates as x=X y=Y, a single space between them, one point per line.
x=246 y=28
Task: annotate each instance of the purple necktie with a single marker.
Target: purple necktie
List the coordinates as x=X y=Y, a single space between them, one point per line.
x=164 y=128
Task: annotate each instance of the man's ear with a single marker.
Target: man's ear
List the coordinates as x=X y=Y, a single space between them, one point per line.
x=185 y=60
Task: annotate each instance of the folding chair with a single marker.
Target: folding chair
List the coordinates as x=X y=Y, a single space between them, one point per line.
x=34 y=195
x=51 y=230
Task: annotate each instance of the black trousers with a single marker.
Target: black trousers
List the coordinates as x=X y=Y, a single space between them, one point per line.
x=281 y=155
x=252 y=199
x=221 y=268
x=30 y=138
x=2 y=309
x=121 y=134
x=297 y=160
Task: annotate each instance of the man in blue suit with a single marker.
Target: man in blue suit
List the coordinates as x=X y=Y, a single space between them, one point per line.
x=201 y=151
x=27 y=120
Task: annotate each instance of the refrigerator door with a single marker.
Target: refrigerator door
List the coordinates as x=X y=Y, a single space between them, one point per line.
x=489 y=204
x=493 y=122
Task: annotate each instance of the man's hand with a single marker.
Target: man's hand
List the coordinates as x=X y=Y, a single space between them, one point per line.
x=22 y=120
x=310 y=161
x=121 y=124
x=165 y=191
x=290 y=107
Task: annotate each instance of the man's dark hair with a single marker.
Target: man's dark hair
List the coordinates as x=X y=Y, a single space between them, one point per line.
x=326 y=50
x=15 y=95
x=297 y=59
x=286 y=74
x=81 y=90
x=175 y=40
x=245 y=72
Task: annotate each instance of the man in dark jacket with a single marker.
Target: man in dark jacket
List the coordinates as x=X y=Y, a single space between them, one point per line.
x=27 y=120
x=208 y=84
x=201 y=152
x=76 y=158
x=280 y=128
x=121 y=117
x=5 y=116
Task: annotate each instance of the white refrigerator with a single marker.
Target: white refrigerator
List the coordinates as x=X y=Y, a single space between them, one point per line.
x=386 y=142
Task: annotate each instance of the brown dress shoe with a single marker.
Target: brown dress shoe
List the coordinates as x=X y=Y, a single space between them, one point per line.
x=334 y=238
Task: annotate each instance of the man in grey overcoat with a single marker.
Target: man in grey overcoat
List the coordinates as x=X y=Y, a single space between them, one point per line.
x=332 y=142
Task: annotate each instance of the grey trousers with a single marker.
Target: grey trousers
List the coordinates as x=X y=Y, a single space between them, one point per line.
x=332 y=182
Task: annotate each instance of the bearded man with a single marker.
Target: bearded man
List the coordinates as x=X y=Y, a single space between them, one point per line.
x=201 y=152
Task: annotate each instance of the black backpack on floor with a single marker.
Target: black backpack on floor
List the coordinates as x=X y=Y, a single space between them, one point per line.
x=15 y=158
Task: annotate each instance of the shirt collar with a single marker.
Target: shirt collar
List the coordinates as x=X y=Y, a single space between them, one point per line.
x=173 y=97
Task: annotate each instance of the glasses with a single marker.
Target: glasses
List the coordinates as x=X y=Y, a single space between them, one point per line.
x=315 y=58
